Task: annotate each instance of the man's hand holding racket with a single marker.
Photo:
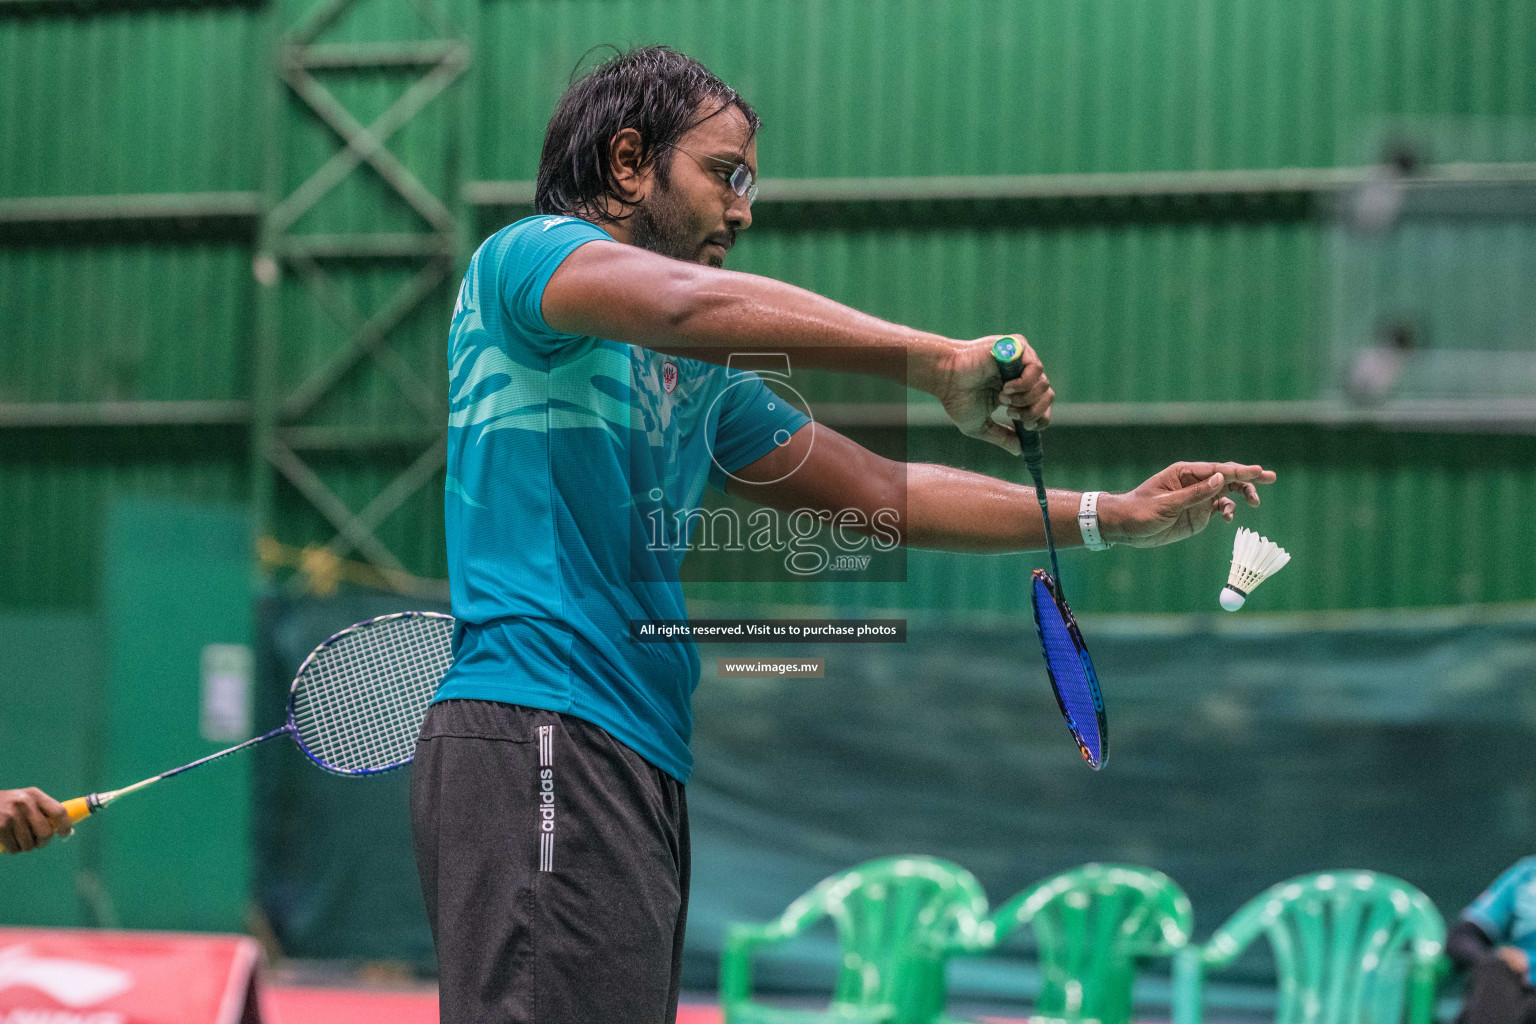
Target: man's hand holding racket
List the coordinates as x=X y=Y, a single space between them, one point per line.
x=966 y=382
x=29 y=818
x=1179 y=502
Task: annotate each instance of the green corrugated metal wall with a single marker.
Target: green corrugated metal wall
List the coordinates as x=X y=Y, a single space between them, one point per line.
x=1119 y=313
x=909 y=87
x=130 y=319
x=1125 y=305
x=55 y=487
x=129 y=99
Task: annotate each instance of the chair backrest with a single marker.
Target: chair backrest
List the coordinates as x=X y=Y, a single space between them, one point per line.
x=1091 y=925
x=1346 y=945
x=897 y=919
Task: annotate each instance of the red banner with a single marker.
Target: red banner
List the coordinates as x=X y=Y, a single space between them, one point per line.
x=61 y=976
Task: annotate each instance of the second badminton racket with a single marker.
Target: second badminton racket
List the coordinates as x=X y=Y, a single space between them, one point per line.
x=355 y=706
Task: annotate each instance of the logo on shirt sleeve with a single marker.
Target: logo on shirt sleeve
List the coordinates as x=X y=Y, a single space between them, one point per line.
x=772 y=366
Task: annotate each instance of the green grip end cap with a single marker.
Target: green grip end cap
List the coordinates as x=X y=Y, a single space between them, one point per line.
x=1009 y=355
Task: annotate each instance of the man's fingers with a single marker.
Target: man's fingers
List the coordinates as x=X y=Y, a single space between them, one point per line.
x=1239 y=473
x=1224 y=507
x=1193 y=494
x=1248 y=491
x=1032 y=405
x=1235 y=472
x=42 y=828
x=1001 y=436
x=59 y=819
x=1024 y=397
x=21 y=834
x=1028 y=377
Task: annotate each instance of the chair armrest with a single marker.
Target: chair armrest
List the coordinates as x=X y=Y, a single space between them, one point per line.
x=1424 y=985
x=975 y=941
x=736 y=957
x=1188 y=985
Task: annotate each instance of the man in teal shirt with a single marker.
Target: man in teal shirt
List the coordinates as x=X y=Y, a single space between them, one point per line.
x=589 y=394
x=1495 y=943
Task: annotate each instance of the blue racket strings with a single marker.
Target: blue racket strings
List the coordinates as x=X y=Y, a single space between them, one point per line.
x=1071 y=671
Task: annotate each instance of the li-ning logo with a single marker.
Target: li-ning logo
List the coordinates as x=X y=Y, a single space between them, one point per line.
x=75 y=983
x=669 y=376
x=546 y=798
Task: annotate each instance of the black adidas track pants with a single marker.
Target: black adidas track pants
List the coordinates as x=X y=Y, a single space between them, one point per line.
x=554 y=862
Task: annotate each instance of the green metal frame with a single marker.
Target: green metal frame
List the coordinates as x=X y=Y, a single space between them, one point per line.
x=898 y=921
x=1112 y=186
x=1350 y=947
x=1169 y=185
x=283 y=428
x=1093 y=926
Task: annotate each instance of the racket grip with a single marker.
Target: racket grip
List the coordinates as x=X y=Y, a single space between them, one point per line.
x=1029 y=447
x=80 y=807
x=1008 y=353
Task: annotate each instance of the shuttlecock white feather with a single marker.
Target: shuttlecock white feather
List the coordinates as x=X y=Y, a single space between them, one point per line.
x=1254 y=560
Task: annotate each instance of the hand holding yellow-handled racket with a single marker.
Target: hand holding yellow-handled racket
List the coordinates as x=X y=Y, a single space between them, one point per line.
x=29 y=819
x=356 y=705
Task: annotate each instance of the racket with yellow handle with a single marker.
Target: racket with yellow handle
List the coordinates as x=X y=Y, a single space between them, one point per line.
x=356 y=705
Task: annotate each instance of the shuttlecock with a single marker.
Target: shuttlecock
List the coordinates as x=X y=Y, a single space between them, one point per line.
x=1254 y=560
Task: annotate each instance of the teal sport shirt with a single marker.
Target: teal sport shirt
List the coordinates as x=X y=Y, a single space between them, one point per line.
x=564 y=454
x=1506 y=911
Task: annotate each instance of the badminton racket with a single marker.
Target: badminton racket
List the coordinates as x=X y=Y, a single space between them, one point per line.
x=1067 y=663
x=355 y=706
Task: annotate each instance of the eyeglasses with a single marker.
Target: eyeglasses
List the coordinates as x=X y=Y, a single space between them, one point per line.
x=741 y=179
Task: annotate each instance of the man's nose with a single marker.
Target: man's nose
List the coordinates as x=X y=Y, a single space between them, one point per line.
x=739 y=214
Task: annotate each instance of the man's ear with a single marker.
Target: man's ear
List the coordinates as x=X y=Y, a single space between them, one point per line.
x=624 y=158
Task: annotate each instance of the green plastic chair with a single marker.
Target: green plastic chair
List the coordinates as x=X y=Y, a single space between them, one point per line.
x=1348 y=947
x=1093 y=926
x=898 y=920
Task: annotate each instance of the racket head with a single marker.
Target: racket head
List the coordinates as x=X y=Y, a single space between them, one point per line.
x=358 y=701
x=1070 y=670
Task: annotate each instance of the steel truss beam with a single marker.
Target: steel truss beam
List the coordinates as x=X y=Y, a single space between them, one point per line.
x=1170 y=185
x=172 y=206
x=1473 y=416
x=282 y=425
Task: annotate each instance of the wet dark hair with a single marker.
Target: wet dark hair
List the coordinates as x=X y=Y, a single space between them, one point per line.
x=653 y=89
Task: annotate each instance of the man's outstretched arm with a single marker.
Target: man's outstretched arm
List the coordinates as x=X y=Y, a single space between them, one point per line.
x=957 y=510
x=628 y=294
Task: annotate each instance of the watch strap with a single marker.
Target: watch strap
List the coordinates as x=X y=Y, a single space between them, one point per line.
x=1088 y=521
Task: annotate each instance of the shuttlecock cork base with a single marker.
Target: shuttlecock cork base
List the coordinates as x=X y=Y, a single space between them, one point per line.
x=1254 y=560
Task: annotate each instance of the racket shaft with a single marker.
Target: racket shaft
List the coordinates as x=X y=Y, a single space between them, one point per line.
x=84 y=806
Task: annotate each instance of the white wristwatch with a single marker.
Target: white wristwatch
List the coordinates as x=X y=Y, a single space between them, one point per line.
x=1088 y=522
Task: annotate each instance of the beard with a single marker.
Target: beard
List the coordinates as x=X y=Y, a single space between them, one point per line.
x=662 y=225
